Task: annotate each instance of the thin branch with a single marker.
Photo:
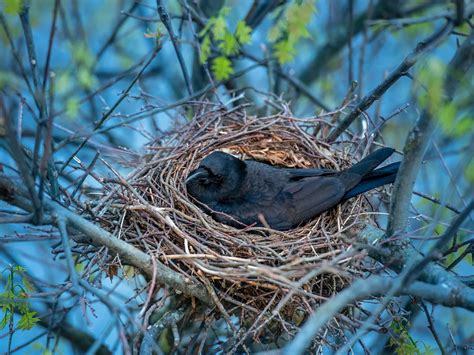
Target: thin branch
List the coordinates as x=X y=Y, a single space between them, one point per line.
x=437 y=201
x=50 y=42
x=418 y=139
x=149 y=339
x=108 y=114
x=362 y=289
x=432 y=328
x=165 y=19
x=115 y=31
x=410 y=60
x=15 y=195
x=437 y=249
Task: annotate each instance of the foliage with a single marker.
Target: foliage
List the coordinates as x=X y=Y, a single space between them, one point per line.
x=12 y=7
x=290 y=29
x=14 y=298
x=402 y=341
x=228 y=43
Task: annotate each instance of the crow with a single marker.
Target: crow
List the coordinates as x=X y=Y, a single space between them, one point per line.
x=251 y=193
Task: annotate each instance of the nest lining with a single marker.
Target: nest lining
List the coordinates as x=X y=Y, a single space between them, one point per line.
x=256 y=270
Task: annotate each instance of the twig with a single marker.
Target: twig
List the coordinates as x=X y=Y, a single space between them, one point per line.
x=418 y=140
x=108 y=114
x=13 y=194
x=61 y=223
x=148 y=343
x=437 y=201
x=432 y=328
x=50 y=43
x=400 y=71
x=360 y=290
x=165 y=19
x=115 y=31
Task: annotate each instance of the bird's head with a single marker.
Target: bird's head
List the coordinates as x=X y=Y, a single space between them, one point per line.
x=218 y=177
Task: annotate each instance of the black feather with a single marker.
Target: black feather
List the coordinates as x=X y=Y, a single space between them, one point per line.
x=242 y=193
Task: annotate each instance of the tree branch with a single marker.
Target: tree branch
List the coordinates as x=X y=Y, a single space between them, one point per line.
x=418 y=139
x=374 y=286
x=165 y=19
x=410 y=60
x=13 y=194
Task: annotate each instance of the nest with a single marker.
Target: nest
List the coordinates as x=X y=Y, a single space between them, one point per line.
x=266 y=277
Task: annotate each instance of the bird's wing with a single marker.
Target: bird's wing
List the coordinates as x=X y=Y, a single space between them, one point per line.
x=313 y=195
x=296 y=174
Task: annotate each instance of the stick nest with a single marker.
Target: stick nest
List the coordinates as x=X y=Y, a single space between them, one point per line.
x=265 y=276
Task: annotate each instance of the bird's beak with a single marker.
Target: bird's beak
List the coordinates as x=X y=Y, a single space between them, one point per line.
x=196 y=174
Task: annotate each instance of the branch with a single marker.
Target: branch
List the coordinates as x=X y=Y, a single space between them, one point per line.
x=108 y=114
x=400 y=71
x=15 y=195
x=417 y=142
x=153 y=332
x=165 y=19
x=374 y=286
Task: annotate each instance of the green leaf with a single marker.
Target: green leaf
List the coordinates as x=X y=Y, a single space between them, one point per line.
x=12 y=7
x=63 y=82
x=82 y=55
x=19 y=268
x=5 y=320
x=276 y=32
x=298 y=17
x=72 y=107
x=219 y=28
x=243 y=33
x=431 y=76
x=85 y=77
x=28 y=285
x=469 y=172
x=205 y=49
x=463 y=126
x=291 y=27
x=28 y=320
x=469 y=259
x=222 y=68
x=284 y=51
x=229 y=44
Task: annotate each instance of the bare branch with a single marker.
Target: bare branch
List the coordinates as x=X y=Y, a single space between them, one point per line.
x=13 y=194
x=165 y=19
x=362 y=289
x=410 y=60
x=417 y=142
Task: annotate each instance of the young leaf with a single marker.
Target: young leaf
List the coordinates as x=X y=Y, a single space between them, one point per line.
x=219 y=28
x=12 y=7
x=28 y=320
x=205 y=49
x=229 y=44
x=284 y=51
x=72 y=107
x=222 y=68
x=243 y=32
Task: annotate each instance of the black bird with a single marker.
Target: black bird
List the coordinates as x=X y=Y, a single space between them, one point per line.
x=243 y=193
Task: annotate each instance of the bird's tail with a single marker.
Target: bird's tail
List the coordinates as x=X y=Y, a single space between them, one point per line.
x=370 y=162
x=372 y=177
x=375 y=178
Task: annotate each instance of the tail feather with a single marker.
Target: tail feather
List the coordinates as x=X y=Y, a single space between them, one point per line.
x=386 y=170
x=379 y=177
x=370 y=162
